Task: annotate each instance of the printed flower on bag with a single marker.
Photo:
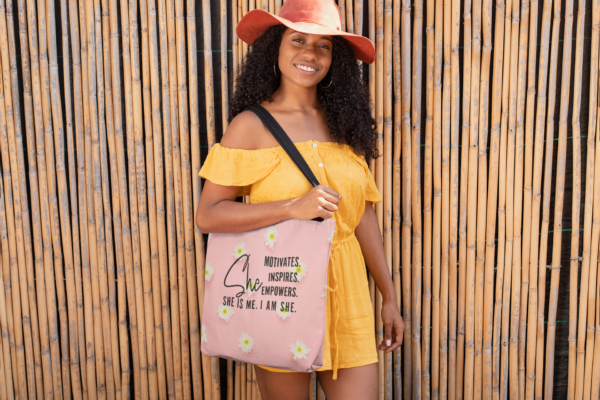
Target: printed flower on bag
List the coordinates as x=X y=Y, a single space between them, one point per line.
x=225 y=312
x=239 y=250
x=283 y=314
x=325 y=292
x=208 y=272
x=246 y=343
x=203 y=337
x=331 y=235
x=299 y=269
x=250 y=288
x=271 y=236
x=299 y=350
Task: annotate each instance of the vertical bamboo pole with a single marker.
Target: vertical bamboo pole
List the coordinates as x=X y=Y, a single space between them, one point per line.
x=88 y=253
x=397 y=186
x=182 y=177
x=237 y=388
x=560 y=182
x=497 y=151
x=379 y=170
x=156 y=380
x=196 y=294
x=243 y=390
x=592 y=152
x=178 y=289
x=234 y=45
x=595 y=390
x=475 y=151
x=225 y=62
x=427 y=200
x=208 y=364
x=511 y=377
x=500 y=120
x=162 y=272
x=485 y=13
x=350 y=16
x=535 y=206
x=386 y=390
x=135 y=284
x=454 y=192
x=446 y=125
x=539 y=314
x=527 y=201
x=464 y=201
x=437 y=196
x=414 y=185
x=42 y=256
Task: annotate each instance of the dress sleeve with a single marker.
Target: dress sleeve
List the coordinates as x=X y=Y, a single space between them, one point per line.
x=371 y=192
x=237 y=167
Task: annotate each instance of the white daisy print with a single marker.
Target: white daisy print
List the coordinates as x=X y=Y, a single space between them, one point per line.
x=299 y=269
x=203 y=337
x=250 y=288
x=239 y=250
x=299 y=350
x=283 y=314
x=225 y=312
x=246 y=343
x=271 y=236
x=208 y=272
x=331 y=235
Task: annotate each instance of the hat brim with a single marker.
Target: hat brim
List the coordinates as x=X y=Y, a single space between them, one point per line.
x=256 y=22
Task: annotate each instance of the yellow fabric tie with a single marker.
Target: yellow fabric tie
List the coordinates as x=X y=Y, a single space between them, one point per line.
x=336 y=316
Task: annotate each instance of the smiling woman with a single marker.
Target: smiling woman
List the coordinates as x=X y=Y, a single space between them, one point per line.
x=303 y=69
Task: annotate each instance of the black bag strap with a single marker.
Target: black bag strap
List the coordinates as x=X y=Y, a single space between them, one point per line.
x=285 y=142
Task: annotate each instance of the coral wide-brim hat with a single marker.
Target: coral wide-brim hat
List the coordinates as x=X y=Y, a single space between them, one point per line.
x=315 y=17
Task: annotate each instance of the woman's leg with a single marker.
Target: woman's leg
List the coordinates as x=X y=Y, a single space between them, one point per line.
x=358 y=383
x=283 y=385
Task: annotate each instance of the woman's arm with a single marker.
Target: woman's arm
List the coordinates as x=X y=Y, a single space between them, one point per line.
x=368 y=235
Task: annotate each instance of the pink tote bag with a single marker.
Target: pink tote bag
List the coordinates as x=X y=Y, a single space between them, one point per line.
x=266 y=289
x=265 y=295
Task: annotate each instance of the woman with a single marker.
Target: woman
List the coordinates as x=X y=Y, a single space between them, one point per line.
x=303 y=69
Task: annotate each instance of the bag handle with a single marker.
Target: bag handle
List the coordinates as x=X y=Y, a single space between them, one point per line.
x=285 y=142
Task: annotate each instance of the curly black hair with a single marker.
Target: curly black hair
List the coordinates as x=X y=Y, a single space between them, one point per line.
x=346 y=101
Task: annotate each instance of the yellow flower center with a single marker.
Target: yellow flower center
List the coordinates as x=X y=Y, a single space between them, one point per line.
x=272 y=236
x=224 y=311
x=298 y=270
x=246 y=342
x=299 y=349
x=207 y=272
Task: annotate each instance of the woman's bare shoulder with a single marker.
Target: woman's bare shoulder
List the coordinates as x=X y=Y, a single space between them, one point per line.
x=247 y=132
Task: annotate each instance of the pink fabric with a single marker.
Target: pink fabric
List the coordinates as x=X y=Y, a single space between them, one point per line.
x=287 y=262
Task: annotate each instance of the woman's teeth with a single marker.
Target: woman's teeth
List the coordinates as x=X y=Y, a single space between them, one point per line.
x=305 y=68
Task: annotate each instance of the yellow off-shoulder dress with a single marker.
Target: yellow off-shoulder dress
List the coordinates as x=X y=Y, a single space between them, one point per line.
x=268 y=175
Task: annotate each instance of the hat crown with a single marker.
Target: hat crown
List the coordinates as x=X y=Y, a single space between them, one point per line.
x=321 y=12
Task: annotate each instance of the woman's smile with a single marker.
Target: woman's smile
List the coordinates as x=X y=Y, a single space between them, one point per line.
x=306 y=69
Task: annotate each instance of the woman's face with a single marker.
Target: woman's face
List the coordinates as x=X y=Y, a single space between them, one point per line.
x=304 y=59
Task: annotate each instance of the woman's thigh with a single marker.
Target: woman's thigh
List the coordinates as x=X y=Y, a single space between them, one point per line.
x=358 y=383
x=282 y=385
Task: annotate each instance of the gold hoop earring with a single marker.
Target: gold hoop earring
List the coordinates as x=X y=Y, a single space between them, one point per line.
x=275 y=69
x=330 y=82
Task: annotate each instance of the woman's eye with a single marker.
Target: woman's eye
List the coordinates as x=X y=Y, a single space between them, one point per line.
x=297 y=40
x=324 y=46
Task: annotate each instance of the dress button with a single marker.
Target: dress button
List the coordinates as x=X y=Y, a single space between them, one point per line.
x=314 y=145
x=321 y=165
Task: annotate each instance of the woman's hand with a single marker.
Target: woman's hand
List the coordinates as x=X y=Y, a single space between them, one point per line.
x=393 y=326
x=321 y=201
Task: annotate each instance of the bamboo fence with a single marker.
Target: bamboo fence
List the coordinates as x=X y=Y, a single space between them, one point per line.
x=106 y=117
